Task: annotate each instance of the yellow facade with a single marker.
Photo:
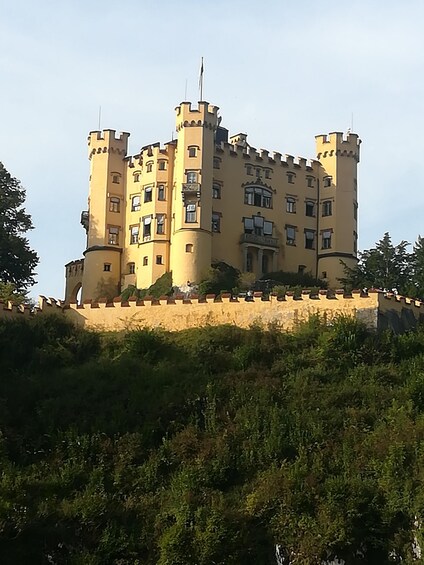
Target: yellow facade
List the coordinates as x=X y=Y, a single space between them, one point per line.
x=207 y=197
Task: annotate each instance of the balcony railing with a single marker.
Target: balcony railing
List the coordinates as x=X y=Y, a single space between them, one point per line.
x=265 y=240
x=191 y=188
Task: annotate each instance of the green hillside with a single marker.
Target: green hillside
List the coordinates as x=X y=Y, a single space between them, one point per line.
x=209 y=446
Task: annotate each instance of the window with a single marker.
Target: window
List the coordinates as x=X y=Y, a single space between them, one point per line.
x=258 y=223
x=310 y=208
x=216 y=191
x=216 y=163
x=249 y=170
x=191 y=177
x=291 y=177
x=291 y=205
x=258 y=196
x=267 y=176
x=159 y=260
x=327 y=208
x=326 y=239
x=134 y=230
x=145 y=261
x=131 y=268
x=216 y=222
x=160 y=224
x=248 y=225
x=310 y=182
x=149 y=167
x=192 y=151
x=189 y=248
x=148 y=193
x=327 y=182
x=324 y=275
x=309 y=239
x=114 y=204
x=268 y=228
x=107 y=267
x=147 y=225
x=135 y=203
x=113 y=232
x=190 y=214
x=162 y=165
x=290 y=235
x=115 y=178
x=161 y=192
x=136 y=177
x=258 y=173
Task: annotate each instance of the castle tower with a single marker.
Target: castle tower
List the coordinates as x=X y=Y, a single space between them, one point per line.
x=338 y=204
x=191 y=236
x=106 y=214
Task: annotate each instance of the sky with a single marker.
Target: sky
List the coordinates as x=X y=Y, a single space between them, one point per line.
x=280 y=71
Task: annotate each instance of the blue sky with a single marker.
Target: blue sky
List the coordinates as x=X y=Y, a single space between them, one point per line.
x=280 y=71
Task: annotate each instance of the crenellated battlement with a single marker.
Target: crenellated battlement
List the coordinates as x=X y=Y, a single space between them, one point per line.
x=375 y=309
x=107 y=141
x=205 y=115
x=378 y=310
x=276 y=158
x=339 y=144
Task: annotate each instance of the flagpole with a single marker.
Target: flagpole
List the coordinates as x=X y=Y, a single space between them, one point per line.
x=201 y=80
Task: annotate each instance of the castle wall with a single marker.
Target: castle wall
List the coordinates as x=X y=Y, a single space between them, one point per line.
x=376 y=309
x=183 y=314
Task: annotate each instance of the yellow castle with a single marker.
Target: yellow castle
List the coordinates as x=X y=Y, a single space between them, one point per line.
x=207 y=197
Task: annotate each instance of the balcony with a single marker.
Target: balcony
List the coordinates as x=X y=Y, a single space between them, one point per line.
x=84 y=219
x=265 y=240
x=191 y=189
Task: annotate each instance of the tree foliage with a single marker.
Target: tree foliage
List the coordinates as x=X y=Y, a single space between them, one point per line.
x=221 y=277
x=209 y=445
x=17 y=260
x=388 y=266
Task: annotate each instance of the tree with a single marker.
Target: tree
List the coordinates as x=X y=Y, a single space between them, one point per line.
x=220 y=277
x=17 y=259
x=417 y=268
x=385 y=266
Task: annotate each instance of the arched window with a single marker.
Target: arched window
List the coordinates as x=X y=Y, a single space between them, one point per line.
x=258 y=196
